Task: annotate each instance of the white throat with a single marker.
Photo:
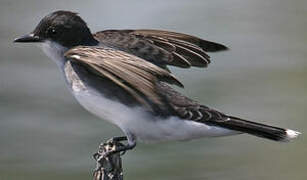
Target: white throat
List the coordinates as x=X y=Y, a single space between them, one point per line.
x=55 y=51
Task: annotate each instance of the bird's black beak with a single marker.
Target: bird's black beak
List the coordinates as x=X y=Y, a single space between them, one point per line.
x=29 y=38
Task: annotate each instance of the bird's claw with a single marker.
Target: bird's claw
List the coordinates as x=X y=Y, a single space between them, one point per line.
x=109 y=148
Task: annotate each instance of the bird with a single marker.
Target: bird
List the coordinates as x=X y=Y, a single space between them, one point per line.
x=122 y=76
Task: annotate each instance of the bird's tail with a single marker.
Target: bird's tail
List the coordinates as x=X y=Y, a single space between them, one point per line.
x=258 y=129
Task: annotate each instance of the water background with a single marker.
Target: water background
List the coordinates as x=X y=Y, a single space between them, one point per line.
x=45 y=134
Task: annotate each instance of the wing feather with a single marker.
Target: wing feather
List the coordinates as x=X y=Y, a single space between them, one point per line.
x=161 y=47
x=208 y=46
x=180 y=61
x=193 y=54
x=193 y=57
x=137 y=76
x=112 y=77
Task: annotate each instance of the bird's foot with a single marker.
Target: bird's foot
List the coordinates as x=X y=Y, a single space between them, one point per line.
x=111 y=151
x=108 y=160
x=105 y=149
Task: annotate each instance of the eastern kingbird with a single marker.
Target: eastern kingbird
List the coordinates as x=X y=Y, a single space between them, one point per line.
x=121 y=76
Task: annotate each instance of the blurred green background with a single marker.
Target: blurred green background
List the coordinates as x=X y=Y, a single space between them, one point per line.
x=45 y=134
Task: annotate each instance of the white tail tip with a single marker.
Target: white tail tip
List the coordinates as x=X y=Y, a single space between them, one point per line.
x=291 y=134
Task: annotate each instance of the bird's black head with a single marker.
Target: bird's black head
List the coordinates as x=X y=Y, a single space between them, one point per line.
x=63 y=27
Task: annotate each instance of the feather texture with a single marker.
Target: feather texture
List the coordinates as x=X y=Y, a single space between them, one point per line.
x=161 y=47
x=136 y=76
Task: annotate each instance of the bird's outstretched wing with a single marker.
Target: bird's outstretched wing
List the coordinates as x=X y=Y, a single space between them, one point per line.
x=161 y=47
x=135 y=75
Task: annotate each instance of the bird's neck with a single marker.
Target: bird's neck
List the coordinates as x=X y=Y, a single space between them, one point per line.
x=89 y=41
x=55 y=51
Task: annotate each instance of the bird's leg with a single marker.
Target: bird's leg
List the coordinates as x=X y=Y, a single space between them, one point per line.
x=122 y=148
x=108 y=165
x=118 y=138
x=113 y=146
x=108 y=157
x=105 y=148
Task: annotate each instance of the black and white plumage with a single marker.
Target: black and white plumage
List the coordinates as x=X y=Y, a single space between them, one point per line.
x=121 y=76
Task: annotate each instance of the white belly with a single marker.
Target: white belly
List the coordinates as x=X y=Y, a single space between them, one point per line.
x=143 y=125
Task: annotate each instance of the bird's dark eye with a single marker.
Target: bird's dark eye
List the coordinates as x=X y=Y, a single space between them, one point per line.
x=51 y=31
